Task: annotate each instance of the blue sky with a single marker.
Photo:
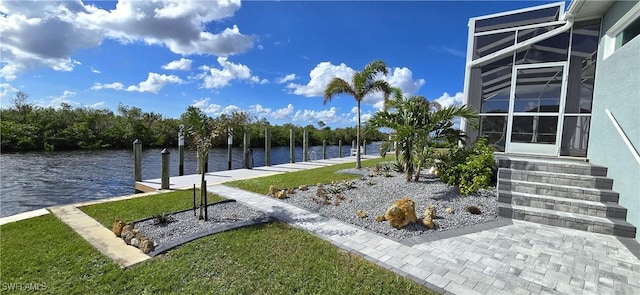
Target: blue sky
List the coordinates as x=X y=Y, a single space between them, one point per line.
x=271 y=59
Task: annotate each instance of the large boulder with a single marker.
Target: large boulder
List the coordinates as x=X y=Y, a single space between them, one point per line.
x=117 y=227
x=146 y=245
x=401 y=212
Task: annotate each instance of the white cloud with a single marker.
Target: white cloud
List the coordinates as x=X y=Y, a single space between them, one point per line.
x=114 y=86
x=221 y=77
x=327 y=116
x=320 y=76
x=5 y=89
x=213 y=108
x=182 y=64
x=324 y=72
x=283 y=112
x=97 y=105
x=95 y=71
x=278 y=114
x=446 y=100
x=259 y=109
x=153 y=84
x=45 y=34
x=285 y=79
x=399 y=77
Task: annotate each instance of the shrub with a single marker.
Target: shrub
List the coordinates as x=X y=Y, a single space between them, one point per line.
x=470 y=170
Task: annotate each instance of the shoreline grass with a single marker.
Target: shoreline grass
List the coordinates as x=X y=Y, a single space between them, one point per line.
x=305 y=177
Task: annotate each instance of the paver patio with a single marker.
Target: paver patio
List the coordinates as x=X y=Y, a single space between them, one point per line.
x=517 y=257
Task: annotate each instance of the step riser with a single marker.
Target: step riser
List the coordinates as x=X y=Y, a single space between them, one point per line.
x=600 y=211
x=597 y=183
x=567 y=222
x=571 y=193
x=567 y=168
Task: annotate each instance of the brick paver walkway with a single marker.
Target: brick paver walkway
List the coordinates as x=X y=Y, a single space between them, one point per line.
x=515 y=258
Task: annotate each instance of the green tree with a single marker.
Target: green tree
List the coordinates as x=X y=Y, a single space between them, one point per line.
x=362 y=83
x=203 y=131
x=416 y=124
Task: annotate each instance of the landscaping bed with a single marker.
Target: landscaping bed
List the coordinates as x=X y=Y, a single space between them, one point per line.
x=373 y=193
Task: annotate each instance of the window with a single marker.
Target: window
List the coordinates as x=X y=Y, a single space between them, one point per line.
x=628 y=33
x=622 y=31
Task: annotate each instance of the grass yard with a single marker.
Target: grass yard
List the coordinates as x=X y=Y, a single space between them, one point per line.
x=143 y=207
x=267 y=259
x=307 y=177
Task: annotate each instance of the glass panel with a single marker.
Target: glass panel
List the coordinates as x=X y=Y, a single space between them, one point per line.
x=538 y=90
x=487 y=44
x=630 y=32
x=494 y=129
x=548 y=50
x=534 y=129
x=539 y=16
x=527 y=34
x=575 y=136
x=495 y=80
x=496 y=106
x=582 y=66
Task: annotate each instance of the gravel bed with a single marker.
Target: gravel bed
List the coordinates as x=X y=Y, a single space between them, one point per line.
x=186 y=224
x=374 y=198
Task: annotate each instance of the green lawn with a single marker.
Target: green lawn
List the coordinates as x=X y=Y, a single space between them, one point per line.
x=267 y=259
x=307 y=177
x=143 y=207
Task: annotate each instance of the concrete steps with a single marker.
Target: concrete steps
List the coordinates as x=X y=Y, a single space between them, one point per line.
x=610 y=226
x=567 y=193
x=600 y=209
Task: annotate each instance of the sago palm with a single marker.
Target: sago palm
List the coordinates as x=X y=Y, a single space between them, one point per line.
x=362 y=83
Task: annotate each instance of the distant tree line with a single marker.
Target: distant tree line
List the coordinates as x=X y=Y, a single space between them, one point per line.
x=27 y=127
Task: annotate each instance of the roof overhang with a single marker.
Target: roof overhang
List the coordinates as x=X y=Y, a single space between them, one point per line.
x=579 y=9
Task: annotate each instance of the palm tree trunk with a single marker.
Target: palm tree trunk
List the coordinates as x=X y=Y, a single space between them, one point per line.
x=202 y=186
x=358 y=164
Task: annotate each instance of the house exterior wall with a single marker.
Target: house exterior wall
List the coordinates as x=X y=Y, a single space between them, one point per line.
x=617 y=88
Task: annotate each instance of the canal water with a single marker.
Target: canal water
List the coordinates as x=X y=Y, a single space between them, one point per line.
x=35 y=180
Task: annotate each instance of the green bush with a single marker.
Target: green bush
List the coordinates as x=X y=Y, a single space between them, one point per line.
x=470 y=170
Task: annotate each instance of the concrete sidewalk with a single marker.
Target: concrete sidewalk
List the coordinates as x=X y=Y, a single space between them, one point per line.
x=516 y=258
x=217 y=177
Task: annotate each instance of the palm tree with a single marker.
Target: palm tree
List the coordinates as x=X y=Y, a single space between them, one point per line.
x=203 y=132
x=362 y=83
x=417 y=123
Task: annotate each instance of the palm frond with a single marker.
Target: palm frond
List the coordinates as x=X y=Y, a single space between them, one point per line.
x=337 y=86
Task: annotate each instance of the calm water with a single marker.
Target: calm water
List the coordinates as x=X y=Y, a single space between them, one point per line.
x=34 y=180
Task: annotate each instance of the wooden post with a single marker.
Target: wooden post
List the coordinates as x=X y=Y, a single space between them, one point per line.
x=229 y=146
x=267 y=147
x=245 y=150
x=137 y=160
x=164 y=171
x=364 y=147
x=353 y=144
x=292 y=146
x=324 y=149
x=340 y=148
x=305 y=146
x=181 y=150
